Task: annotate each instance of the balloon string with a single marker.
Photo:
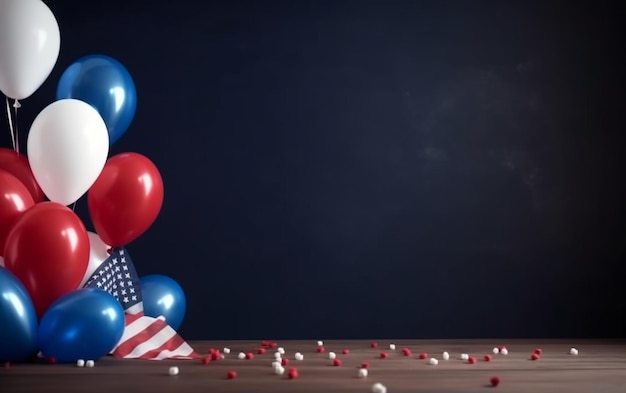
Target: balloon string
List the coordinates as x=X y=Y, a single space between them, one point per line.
x=16 y=106
x=73 y=206
x=10 y=123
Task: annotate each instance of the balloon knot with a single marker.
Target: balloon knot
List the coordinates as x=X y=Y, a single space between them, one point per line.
x=110 y=250
x=17 y=104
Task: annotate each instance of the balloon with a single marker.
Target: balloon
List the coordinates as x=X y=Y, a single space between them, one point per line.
x=67 y=146
x=105 y=84
x=126 y=199
x=30 y=42
x=17 y=165
x=163 y=296
x=14 y=200
x=18 y=340
x=98 y=253
x=84 y=324
x=48 y=250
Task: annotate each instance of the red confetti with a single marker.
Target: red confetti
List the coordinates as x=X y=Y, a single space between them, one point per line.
x=261 y=351
x=212 y=350
x=249 y=356
x=495 y=381
x=345 y=351
x=406 y=351
x=538 y=351
x=284 y=361
x=487 y=358
x=383 y=355
x=501 y=347
x=215 y=355
x=265 y=343
x=274 y=345
x=231 y=374
x=423 y=355
x=337 y=362
x=535 y=357
x=365 y=365
x=206 y=360
x=321 y=349
x=52 y=360
x=293 y=373
x=471 y=360
x=374 y=345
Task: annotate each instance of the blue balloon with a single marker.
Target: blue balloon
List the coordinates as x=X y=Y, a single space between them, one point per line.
x=18 y=320
x=105 y=84
x=162 y=296
x=84 y=324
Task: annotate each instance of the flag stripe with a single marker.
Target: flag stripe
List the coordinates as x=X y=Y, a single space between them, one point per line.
x=131 y=318
x=137 y=308
x=147 y=329
x=152 y=338
x=172 y=342
x=135 y=324
x=156 y=340
x=183 y=352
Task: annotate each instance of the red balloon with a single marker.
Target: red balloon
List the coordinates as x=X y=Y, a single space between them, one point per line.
x=48 y=250
x=126 y=198
x=14 y=200
x=17 y=165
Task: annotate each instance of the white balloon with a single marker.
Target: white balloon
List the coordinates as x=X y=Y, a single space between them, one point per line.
x=30 y=42
x=97 y=254
x=67 y=148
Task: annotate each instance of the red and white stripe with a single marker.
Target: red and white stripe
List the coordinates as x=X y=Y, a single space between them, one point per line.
x=151 y=338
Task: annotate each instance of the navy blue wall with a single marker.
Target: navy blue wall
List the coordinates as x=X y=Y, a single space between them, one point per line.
x=339 y=169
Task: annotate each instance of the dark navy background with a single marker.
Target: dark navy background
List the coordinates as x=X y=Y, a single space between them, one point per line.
x=357 y=169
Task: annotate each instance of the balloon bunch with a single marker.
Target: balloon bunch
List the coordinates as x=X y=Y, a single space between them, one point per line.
x=46 y=252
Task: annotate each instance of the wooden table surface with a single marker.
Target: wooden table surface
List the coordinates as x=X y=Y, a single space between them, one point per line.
x=600 y=367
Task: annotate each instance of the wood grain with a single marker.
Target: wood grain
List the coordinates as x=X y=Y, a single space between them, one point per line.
x=600 y=367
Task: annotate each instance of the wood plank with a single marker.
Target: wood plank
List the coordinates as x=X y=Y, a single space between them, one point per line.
x=599 y=367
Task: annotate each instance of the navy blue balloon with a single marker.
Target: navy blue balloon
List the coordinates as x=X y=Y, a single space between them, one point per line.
x=162 y=296
x=18 y=320
x=84 y=324
x=106 y=85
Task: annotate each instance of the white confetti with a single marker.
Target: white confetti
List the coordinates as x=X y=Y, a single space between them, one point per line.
x=280 y=370
x=281 y=350
x=241 y=355
x=433 y=362
x=445 y=356
x=464 y=356
x=504 y=351
x=173 y=370
x=89 y=363
x=573 y=351
x=80 y=363
x=392 y=347
x=379 y=388
x=332 y=355
x=495 y=350
x=298 y=356
x=226 y=350
x=320 y=343
x=362 y=373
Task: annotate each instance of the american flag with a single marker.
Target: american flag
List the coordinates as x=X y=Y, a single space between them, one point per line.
x=144 y=337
